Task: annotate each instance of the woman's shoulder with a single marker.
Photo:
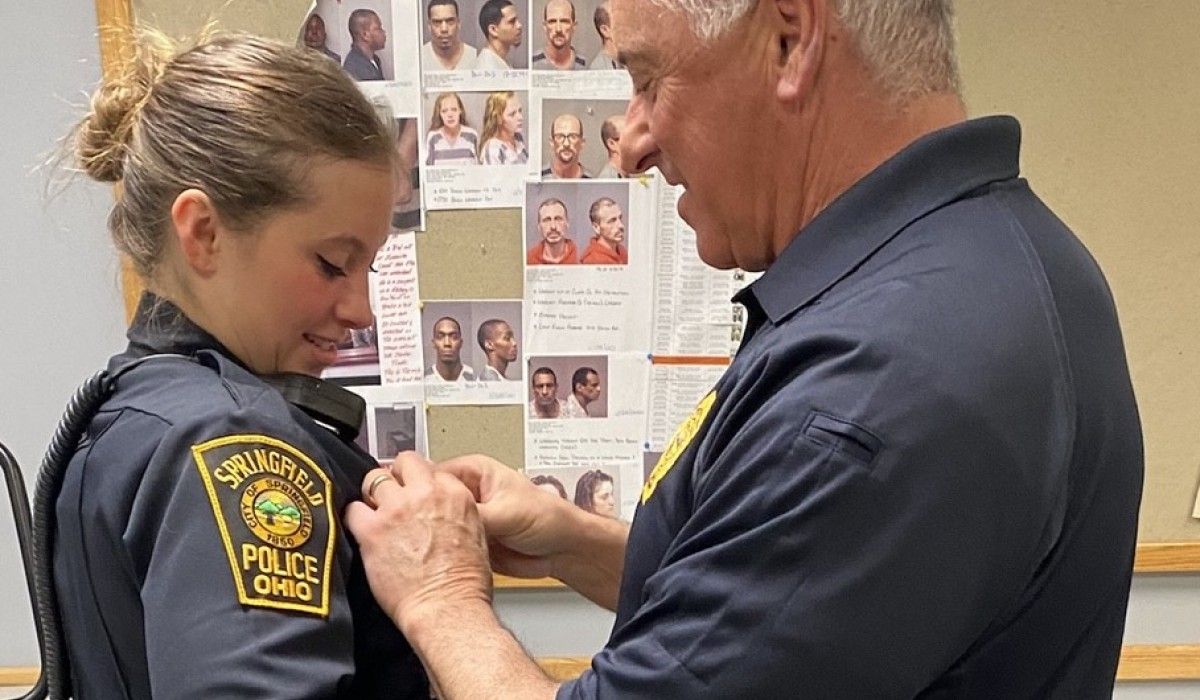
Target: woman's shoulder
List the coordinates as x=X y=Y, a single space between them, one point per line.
x=200 y=390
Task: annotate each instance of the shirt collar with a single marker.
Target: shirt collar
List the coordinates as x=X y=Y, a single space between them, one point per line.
x=160 y=326
x=929 y=173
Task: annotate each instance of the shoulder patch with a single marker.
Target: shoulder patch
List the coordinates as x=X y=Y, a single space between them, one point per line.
x=274 y=508
x=679 y=442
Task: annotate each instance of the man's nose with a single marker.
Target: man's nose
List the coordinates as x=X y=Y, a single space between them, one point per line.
x=638 y=150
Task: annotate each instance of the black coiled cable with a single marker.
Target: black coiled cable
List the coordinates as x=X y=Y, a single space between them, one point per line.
x=56 y=669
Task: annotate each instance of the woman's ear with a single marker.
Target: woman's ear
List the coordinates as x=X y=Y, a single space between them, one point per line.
x=198 y=230
x=801 y=30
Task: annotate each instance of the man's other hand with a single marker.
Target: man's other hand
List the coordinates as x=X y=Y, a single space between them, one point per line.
x=527 y=527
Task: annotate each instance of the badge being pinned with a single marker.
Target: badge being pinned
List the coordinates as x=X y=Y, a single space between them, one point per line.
x=274 y=509
x=679 y=441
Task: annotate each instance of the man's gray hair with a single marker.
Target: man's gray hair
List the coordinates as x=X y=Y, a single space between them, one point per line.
x=907 y=44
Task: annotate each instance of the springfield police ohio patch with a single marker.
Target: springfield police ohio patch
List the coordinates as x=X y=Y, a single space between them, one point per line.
x=274 y=509
x=679 y=441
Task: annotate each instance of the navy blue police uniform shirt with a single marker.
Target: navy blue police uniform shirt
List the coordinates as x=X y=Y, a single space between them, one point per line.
x=199 y=550
x=920 y=476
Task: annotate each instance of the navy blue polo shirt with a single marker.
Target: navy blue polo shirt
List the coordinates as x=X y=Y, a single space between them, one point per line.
x=920 y=476
x=175 y=579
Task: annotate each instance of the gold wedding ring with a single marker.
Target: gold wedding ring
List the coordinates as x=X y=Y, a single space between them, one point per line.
x=375 y=484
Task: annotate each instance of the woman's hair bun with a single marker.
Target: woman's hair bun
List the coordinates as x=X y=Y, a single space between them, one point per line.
x=103 y=135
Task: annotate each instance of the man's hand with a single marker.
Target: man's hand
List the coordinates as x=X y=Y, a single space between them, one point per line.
x=421 y=540
x=532 y=533
x=526 y=526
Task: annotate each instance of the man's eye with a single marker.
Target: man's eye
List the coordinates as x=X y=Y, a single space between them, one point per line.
x=329 y=269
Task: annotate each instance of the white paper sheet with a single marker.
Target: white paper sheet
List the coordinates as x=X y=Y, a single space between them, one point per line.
x=674 y=391
x=397 y=311
x=573 y=308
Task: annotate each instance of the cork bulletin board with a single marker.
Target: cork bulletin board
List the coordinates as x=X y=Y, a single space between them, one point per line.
x=1108 y=147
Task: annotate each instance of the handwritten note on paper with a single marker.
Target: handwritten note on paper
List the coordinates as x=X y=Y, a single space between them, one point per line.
x=397 y=311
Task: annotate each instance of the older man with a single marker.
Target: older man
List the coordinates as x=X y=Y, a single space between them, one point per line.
x=446 y=50
x=566 y=148
x=607 y=245
x=920 y=475
x=558 y=21
x=610 y=136
x=366 y=38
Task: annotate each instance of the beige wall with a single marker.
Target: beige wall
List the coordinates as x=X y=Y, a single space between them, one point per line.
x=279 y=19
x=1109 y=97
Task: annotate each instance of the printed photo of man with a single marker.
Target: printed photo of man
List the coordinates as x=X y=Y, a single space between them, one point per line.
x=502 y=28
x=558 y=21
x=610 y=136
x=447 y=346
x=367 y=37
x=499 y=345
x=543 y=385
x=555 y=246
x=446 y=50
x=314 y=37
x=585 y=391
x=606 y=59
x=607 y=245
x=566 y=148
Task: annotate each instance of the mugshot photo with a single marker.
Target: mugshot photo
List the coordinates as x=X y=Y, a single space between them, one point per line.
x=572 y=35
x=568 y=386
x=459 y=35
x=577 y=223
x=597 y=491
x=470 y=128
x=472 y=341
x=580 y=138
x=356 y=34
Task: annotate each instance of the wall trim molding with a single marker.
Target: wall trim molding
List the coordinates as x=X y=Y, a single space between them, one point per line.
x=1167 y=557
x=1139 y=663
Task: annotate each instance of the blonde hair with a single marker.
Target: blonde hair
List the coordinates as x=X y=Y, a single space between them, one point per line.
x=238 y=117
x=493 y=116
x=435 y=122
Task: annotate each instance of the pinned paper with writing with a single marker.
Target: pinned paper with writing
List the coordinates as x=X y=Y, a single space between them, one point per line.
x=397 y=310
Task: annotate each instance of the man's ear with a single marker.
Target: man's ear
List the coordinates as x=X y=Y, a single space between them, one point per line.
x=198 y=229
x=801 y=31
